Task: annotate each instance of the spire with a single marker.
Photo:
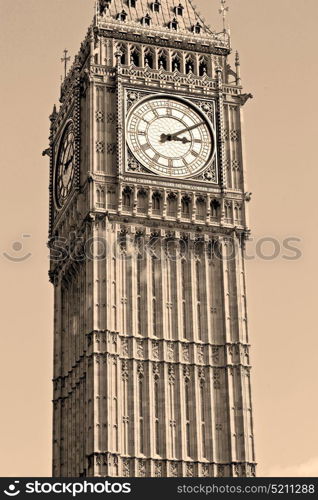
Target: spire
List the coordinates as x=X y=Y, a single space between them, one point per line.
x=223 y=11
x=175 y=15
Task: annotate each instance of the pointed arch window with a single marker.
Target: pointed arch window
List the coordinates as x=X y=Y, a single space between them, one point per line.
x=135 y=56
x=100 y=198
x=103 y=5
x=201 y=208
x=127 y=198
x=236 y=175
x=185 y=207
x=227 y=211
x=146 y=20
x=123 y=49
x=203 y=66
x=176 y=62
x=178 y=10
x=215 y=208
x=156 y=203
x=172 y=205
x=162 y=60
x=142 y=201
x=197 y=28
x=122 y=16
x=149 y=58
x=237 y=214
x=131 y=3
x=173 y=25
x=111 y=198
x=189 y=64
x=155 y=6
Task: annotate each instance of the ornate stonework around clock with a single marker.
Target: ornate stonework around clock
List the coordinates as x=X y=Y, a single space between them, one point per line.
x=147 y=199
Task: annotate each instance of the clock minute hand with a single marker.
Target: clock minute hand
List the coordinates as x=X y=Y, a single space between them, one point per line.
x=186 y=130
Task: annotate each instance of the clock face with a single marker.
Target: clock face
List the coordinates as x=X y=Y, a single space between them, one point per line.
x=65 y=164
x=170 y=137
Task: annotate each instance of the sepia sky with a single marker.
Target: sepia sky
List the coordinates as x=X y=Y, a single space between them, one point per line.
x=277 y=41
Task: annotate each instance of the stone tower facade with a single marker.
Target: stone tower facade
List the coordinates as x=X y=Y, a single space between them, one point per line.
x=147 y=228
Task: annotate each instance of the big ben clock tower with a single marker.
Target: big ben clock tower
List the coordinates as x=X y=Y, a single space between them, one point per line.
x=147 y=228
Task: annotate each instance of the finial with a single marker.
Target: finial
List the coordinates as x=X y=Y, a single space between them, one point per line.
x=223 y=11
x=238 y=69
x=65 y=60
x=53 y=115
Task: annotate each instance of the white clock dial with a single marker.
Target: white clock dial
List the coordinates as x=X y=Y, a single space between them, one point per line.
x=170 y=137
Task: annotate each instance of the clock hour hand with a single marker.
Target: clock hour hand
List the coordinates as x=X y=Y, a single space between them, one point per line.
x=169 y=137
x=181 y=139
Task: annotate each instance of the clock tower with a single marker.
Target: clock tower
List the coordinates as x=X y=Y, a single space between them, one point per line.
x=147 y=228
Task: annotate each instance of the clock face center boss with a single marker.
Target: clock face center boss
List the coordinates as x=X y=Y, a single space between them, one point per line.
x=170 y=136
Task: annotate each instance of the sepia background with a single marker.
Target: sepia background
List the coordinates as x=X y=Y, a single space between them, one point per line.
x=277 y=41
